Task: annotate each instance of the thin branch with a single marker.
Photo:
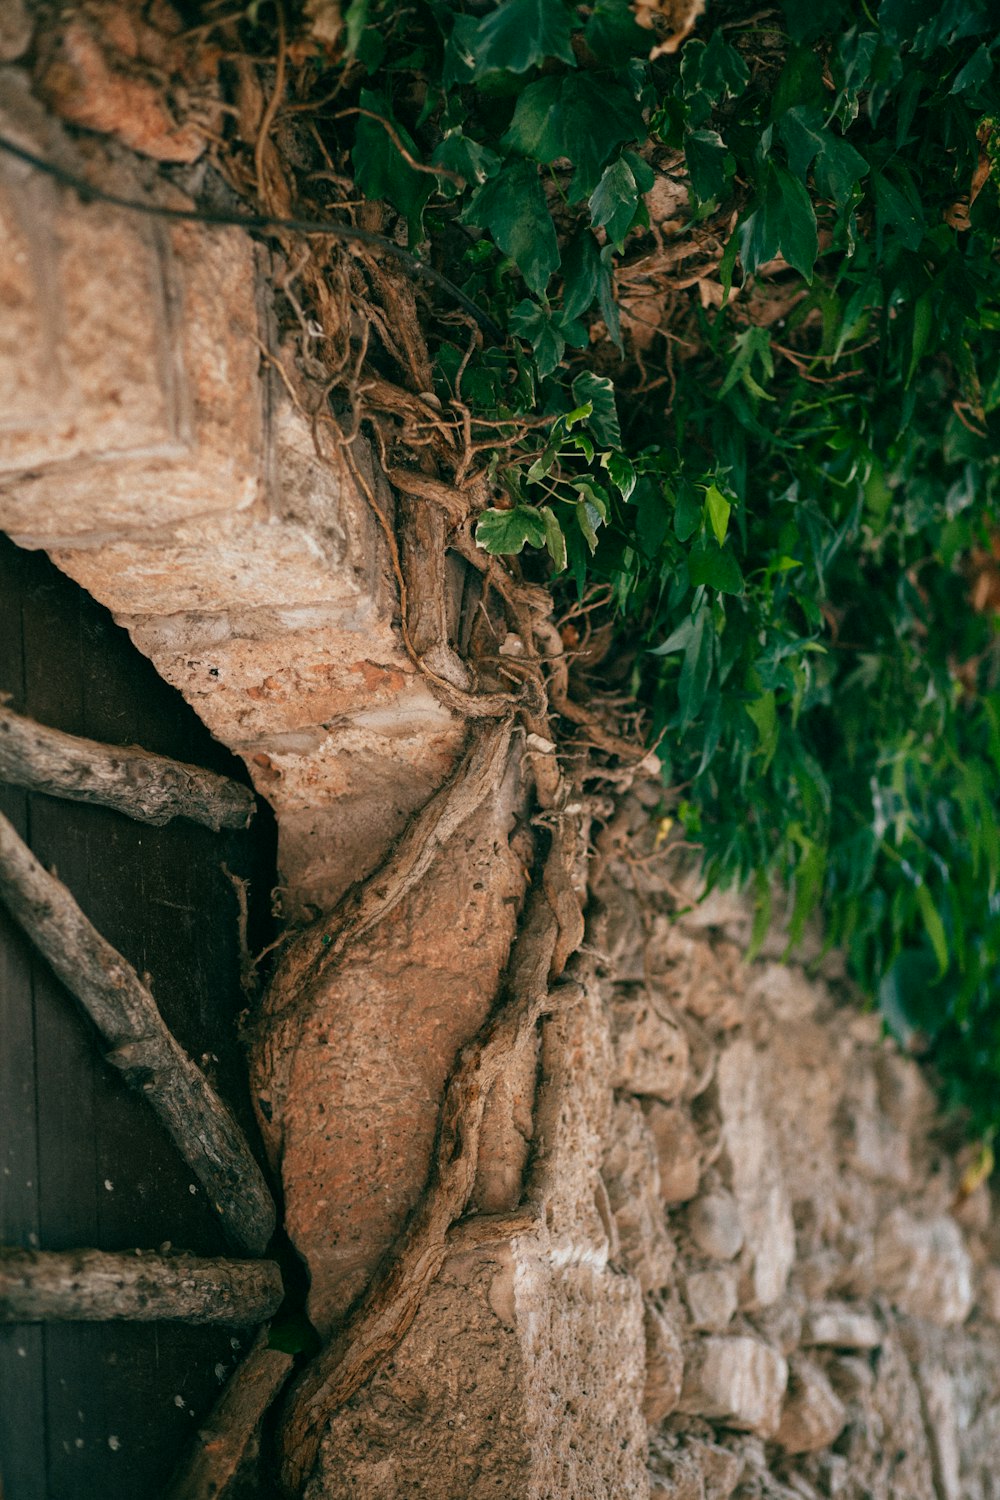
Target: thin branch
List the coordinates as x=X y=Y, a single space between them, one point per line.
x=150 y=788
x=141 y=1047
x=261 y=224
x=225 y=1440
x=91 y=1286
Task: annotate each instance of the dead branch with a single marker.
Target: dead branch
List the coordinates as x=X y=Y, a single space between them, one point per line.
x=91 y=1286
x=141 y=1047
x=379 y=1321
x=150 y=788
x=219 y=1449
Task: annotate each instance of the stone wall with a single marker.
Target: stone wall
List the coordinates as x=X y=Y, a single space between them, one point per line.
x=752 y=1269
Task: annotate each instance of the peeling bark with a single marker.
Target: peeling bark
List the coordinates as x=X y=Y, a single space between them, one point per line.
x=150 y=788
x=141 y=1047
x=91 y=1286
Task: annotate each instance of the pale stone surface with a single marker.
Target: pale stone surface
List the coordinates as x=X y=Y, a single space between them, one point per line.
x=511 y=1360
x=813 y=1415
x=651 y=1049
x=631 y=1174
x=15 y=30
x=737 y=1381
x=924 y=1267
x=678 y=1150
x=837 y=1325
x=714 y=1224
x=757 y=1183
x=664 y=1365
x=711 y=1299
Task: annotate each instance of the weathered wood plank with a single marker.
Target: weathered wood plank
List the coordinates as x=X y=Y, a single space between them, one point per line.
x=144 y=1051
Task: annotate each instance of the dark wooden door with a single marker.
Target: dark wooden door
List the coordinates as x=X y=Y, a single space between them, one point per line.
x=103 y=1410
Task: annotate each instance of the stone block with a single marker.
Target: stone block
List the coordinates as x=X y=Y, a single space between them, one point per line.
x=813 y=1415
x=632 y=1176
x=837 y=1325
x=678 y=1150
x=347 y=1074
x=922 y=1265
x=518 y=1378
x=714 y=1224
x=739 y=1382
x=652 y=1055
x=664 y=1366
x=756 y=1176
x=711 y=1299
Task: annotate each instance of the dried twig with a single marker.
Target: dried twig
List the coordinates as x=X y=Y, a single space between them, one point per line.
x=141 y=1047
x=92 y=1286
x=226 y=1439
x=150 y=788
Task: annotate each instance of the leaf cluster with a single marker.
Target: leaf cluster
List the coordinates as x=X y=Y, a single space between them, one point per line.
x=794 y=544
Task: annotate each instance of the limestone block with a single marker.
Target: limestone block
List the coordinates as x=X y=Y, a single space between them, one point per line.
x=938 y=1391
x=632 y=1176
x=711 y=1299
x=347 y=1074
x=756 y=1177
x=924 y=1267
x=652 y=1055
x=875 y=1145
x=714 y=1224
x=138 y=400
x=737 y=1381
x=678 y=1150
x=664 y=1366
x=837 y=1325
x=813 y=1415
x=693 y=1470
x=518 y=1378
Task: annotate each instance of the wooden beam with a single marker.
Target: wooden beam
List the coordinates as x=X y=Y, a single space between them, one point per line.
x=91 y=1286
x=150 y=788
x=141 y=1047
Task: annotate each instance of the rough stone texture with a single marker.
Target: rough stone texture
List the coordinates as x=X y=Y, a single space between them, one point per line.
x=737 y=1381
x=142 y=446
x=813 y=1414
x=701 y=1129
x=493 y=1387
x=347 y=1076
x=757 y=1183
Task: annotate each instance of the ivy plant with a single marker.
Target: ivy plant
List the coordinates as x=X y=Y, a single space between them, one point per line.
x=788 y=488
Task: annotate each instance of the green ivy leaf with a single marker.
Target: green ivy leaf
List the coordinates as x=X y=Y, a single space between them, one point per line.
x=512 y=207
x=716 y=567
x=599 y=391
x=457 y=153
x=554 y=539
x=782 y=221
x=575 y=115
x=934 y=926
x=379 y=169
x=696 y=668
x=688 y=512
x=547 y=331
x=519 y=34
x=718 y=511
x=764 y=713
x=588 y=276
x=612 y=34
x=621 y=471
x=836 y=165
x=506 y=531
x=616 y=203
x=710 y=164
